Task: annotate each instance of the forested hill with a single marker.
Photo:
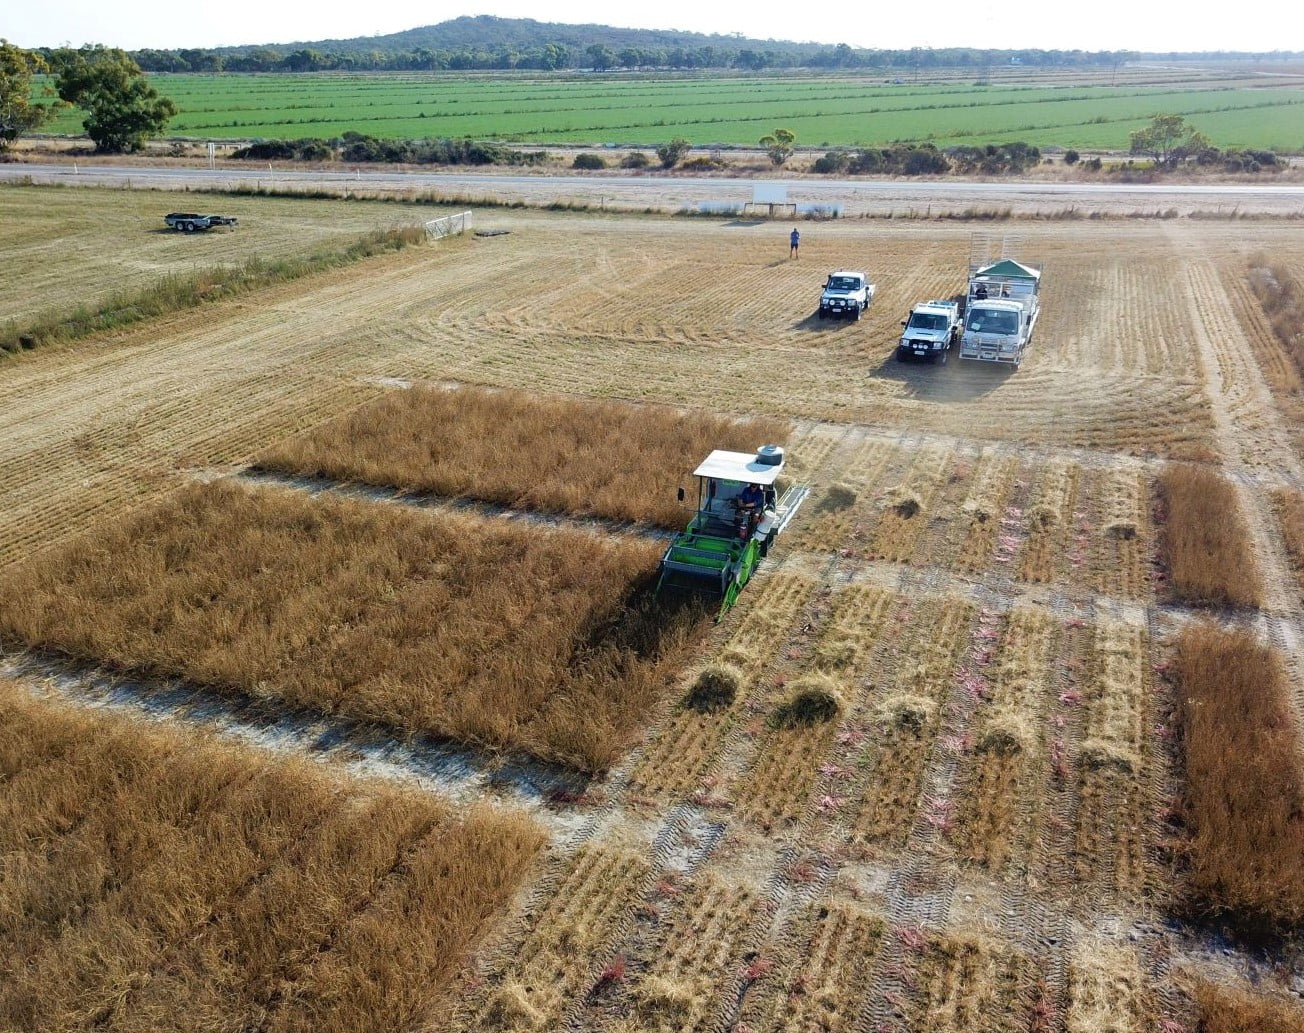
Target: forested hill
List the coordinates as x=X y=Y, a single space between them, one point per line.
x=486 y=32
x=505 y=43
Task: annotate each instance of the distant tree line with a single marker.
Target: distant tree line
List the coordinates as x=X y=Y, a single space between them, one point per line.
x=601 y=57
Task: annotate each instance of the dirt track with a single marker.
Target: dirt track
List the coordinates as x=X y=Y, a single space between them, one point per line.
x=918 y=877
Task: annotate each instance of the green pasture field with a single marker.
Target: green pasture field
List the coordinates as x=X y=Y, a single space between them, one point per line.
x=822 y=111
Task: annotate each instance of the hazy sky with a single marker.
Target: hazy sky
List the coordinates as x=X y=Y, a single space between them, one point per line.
x=1053 y=24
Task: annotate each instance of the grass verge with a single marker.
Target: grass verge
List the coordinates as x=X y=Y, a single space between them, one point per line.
x=559 y=455
x=488 y=632
x=158 y=879
x=1244 y=804
x=179 y=291
x=1205 y=539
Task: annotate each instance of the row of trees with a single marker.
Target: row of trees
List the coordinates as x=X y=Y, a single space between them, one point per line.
x=602 y=57
x=122 y=108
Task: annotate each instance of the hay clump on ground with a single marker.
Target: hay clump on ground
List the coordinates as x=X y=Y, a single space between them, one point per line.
x=1006 y=734
x=1101 y=755
x=907 y=712
x=714 y=689
x=838 y=496
x=814 y=699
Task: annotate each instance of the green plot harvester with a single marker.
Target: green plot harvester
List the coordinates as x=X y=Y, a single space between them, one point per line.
x=739 y=514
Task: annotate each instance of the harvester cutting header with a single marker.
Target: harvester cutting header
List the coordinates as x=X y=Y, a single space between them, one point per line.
x=739 y=514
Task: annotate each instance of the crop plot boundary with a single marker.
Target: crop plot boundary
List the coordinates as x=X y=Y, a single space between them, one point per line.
x=459 y=774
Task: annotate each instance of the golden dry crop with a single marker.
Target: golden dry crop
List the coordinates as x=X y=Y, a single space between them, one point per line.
x=488 y=632
x=1244 y=779
x=1206 y=541
x=582 y=457
x=155 y=879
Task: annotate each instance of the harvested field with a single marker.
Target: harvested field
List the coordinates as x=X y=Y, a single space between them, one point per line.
x=576 y=456
x=1206 y=541
x=970 y=985
x=957 y=842
x=1111 y=760
x=448 y=626
x=160 y=880
x=683 y=750
x=68 y=249
x=1107 y=990
x=994 y=820
x=551 y=965
x=1244 y=781
x=908 y=718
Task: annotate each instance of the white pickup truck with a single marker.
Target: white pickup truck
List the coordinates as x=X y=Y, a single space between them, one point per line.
x=847 y=293
x=931 y=330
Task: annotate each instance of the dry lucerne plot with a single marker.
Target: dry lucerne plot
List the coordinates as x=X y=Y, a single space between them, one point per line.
x=582 y=457
x=894 y=758
x=1049 y=521
x=1206 y=543
x=548 y=970
x=694 y=965
x=1122 y=541
x=1244 y=781
x=1112 y=764
x=1107 y=990
x=999 y=785
x=969 y=984
x=835 y=508
x=824 y=980
x=678 y=757
x=1289 y=507
x=156 y=879
x=906 y=508
x=483 y=631
x=803 y=720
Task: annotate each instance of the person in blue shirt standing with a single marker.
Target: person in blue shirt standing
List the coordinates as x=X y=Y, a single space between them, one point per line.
x=794 y=238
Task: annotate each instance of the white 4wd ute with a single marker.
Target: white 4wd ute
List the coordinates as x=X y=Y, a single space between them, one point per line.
x=931 y=330
x=846 y=295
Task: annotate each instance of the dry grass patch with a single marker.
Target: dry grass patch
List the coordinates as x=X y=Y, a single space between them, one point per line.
x=1107 y=991
x=1245 y=780
x=1282 y=298
x=1206 y=540
x=1289 y=506
x=529 y=451
x=155 y=879
x=1223 y=1010
x=970 y=984
x=486 y=632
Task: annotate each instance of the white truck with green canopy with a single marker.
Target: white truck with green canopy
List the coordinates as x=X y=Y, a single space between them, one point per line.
x=1001 y=309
